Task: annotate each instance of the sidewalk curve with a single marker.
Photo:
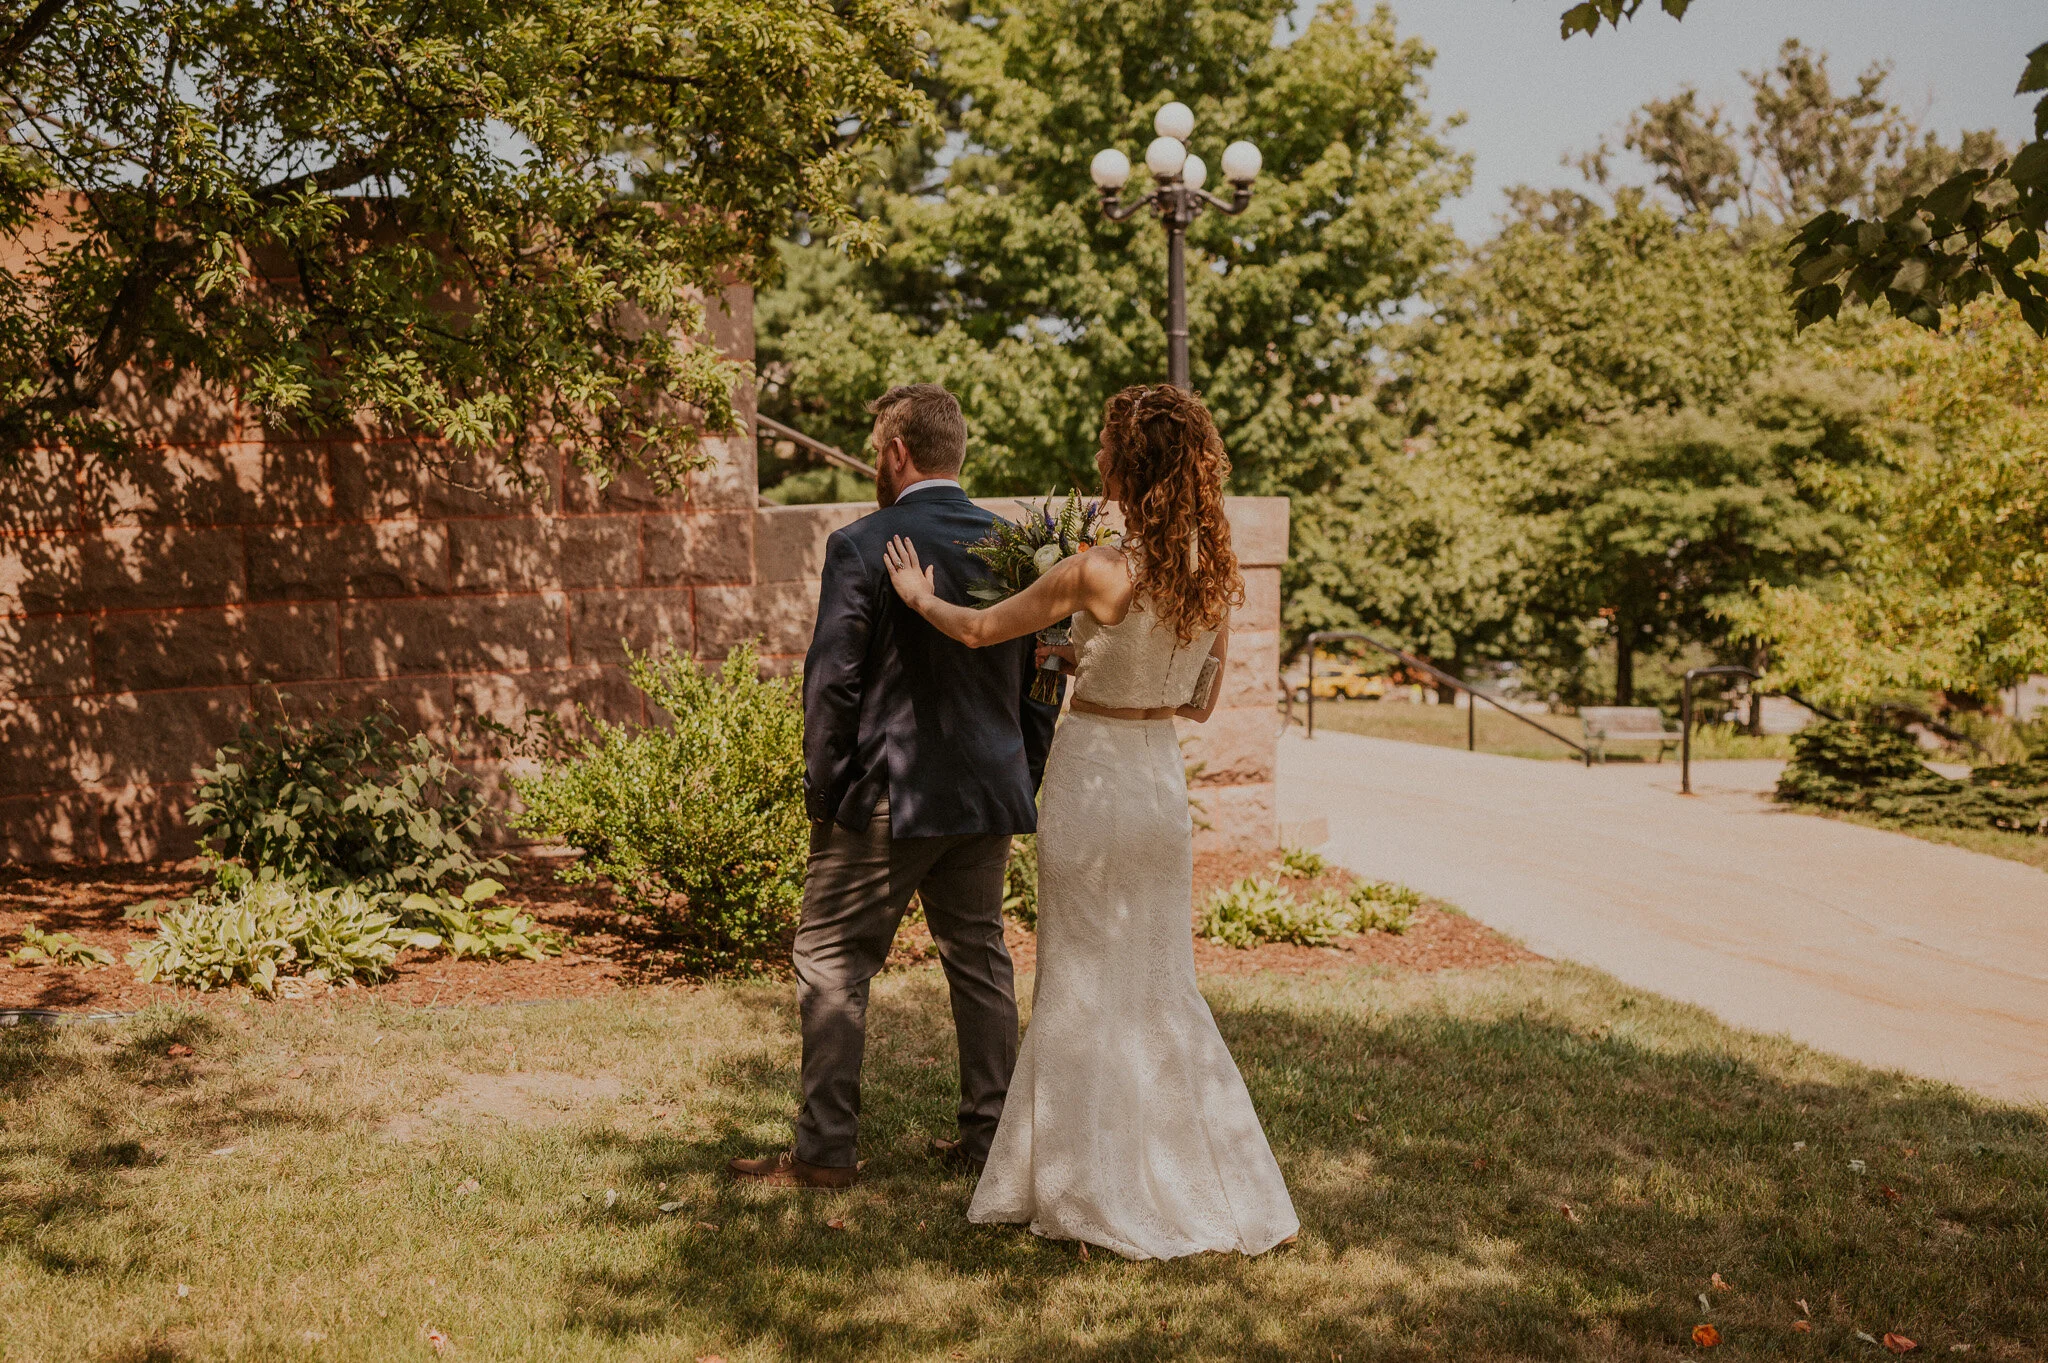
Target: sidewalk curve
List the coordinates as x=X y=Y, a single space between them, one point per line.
x=1878 y=946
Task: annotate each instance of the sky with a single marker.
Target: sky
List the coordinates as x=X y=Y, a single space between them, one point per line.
x=1532 y=98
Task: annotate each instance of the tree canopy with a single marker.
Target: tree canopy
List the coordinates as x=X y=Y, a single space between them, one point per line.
x=473 y=219
x=1000 y=277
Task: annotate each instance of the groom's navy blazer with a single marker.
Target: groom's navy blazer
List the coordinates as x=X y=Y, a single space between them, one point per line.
x=893 y=707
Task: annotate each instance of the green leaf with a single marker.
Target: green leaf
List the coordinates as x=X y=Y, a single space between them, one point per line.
x=1952 y=196
x=481 y=890
x=2029 y=168
x=2035 y=77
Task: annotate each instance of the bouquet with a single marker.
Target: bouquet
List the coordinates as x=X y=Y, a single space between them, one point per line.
x=1018 y=554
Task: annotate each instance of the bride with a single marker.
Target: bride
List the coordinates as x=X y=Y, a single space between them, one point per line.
x=1127 y=1125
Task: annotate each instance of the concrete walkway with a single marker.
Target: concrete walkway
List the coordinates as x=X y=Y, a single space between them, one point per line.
x=1884 y=948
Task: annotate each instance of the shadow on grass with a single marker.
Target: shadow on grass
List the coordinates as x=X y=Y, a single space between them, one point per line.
x=1527 y=1184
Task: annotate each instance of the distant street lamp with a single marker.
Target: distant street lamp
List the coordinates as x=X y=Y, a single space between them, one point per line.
x=1180 y=199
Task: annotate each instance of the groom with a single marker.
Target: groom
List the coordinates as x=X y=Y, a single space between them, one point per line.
x=921 y=758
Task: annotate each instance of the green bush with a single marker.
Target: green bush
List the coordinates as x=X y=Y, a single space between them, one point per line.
x=1382 y=906
x=1255 y=910
x=59 y=948
x=268 y=929
x=1874 y=769
x=1020 y=882
x=699 y=822
x=334 y=802
x=1300 y=863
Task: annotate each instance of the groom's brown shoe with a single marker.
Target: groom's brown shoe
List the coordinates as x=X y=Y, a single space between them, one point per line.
x=787 y=1171
x=954 y=1153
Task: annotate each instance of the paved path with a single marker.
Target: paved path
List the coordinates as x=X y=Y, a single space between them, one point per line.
x=1881 y=947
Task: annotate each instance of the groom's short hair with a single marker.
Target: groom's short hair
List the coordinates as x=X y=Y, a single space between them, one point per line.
x=928 y=420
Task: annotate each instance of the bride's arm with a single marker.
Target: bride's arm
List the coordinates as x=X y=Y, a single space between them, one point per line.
x=1220 y=651
x=1095 y=582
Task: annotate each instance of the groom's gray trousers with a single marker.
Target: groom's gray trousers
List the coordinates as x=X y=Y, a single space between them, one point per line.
x=855 y=894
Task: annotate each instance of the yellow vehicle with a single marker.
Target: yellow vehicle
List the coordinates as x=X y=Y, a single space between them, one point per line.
x=1344 y=679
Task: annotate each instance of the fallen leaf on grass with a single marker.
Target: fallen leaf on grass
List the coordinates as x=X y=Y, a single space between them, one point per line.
x=707 y=1225
x=1857 y=1166
x=1899 y=1344
x=1804 y=1327
x=224 y=1150
x=1569 y=1214
x=1799 y=1145
x=435 y=1338
x=184 y=1291
x=1084 y=1249
x=835 y=1224
x=468 y=1186
x=1479 y=1165
x=179 y=1048
x=1804 y=1309
x=670 y=1208
x=1865 y=1337
x=1891 y=1194
x=611 y=1198
x=1719 y=1284
x=1706 y=1336
x=1360 y=1117
x=299 y=1073
x=1701 y=1298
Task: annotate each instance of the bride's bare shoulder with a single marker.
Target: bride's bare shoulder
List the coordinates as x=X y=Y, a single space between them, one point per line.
x=1107 y=585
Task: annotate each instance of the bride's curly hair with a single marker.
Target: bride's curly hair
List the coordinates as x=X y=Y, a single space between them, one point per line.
x=1167 y=463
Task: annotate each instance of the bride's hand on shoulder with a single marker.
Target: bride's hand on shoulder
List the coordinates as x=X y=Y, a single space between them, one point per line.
x=912 y=581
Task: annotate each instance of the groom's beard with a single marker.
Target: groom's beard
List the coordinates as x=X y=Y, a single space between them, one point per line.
x=886 y=486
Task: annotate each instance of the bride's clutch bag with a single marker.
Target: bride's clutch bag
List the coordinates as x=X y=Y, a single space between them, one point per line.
x=1205 y=685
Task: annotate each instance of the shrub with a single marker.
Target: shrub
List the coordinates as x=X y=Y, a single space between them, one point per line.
x=1300 y=863
x=1020 y=882
x=1254 y=911
x=1382 y=906
x=333 y=802
x=698 y=823
x=59 y=948
x=1874 y=769
x=272 y=928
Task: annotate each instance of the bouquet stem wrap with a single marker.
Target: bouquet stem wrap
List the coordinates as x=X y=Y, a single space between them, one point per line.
x=1045 y=687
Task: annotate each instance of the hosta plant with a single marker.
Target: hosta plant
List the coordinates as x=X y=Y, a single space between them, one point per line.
x=1254 y=910
x=270 y=929
x=58 y=948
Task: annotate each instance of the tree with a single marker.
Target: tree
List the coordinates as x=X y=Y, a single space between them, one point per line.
x=476 y=220
x=1001 y=278
x=1952 y=595
x=1974 y=233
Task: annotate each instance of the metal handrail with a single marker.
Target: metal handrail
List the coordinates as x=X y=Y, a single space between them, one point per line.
x=1685 y=713
x=1471 y=711
x=831 y=454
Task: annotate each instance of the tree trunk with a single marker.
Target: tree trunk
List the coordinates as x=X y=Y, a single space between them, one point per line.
x=1759 y=659
x=1624 y=664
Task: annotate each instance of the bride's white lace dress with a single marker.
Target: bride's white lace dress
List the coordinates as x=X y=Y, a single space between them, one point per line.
x=1127 y=1125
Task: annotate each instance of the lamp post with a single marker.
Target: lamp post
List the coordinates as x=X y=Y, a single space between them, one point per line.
x=1179 y=199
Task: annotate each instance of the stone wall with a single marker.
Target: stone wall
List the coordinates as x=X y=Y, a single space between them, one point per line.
x=1231 y=757
x=144 y=613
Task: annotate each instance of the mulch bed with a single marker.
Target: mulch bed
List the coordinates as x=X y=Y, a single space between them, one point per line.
x=607 y=950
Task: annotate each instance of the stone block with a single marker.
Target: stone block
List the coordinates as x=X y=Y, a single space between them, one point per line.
x=241 y=484
x=602 y=692
x=779 y=614
x=647 y=620
x=41 y=495
x=174 y=406
x=422 y=704
x=162 y=735
x=144 y=652
x=789 y=541
x=1252 y=675
x=1234 y=748
x=630 y=490
x=374 y=480
x=1261 y=608
x=472 y=634
x=44 y=747
x=729 y=321
x=314 y=563
x=42 y=829
x=731 y=482
x=1240 y=818
x=699 y=548
x=146 y=822
x=519 y=553
x=42 y=573
x=1258 y=529
x=129 y=568
x=44 y=656
x=456 y=485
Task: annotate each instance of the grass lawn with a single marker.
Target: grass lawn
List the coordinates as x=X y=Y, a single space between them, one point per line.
x=2026 y=848
x=1516 y=1163
x=1444 y=727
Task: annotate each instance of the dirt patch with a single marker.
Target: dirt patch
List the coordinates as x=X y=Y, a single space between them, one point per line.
x=608 y=950
x=521 y=1098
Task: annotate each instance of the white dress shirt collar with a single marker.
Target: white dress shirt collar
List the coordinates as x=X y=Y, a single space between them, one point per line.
x=927 y=482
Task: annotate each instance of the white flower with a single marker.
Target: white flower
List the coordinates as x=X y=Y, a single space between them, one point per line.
x=1047 y=558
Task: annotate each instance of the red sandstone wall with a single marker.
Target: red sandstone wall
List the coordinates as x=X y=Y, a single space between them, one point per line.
x=143 y=614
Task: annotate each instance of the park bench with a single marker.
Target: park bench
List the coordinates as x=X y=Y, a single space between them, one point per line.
x=1611 y=724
